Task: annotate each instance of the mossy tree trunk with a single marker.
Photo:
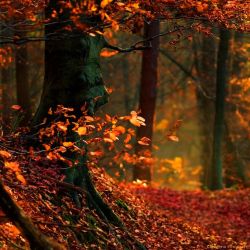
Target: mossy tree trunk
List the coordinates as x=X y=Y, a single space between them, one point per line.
x=72 y=79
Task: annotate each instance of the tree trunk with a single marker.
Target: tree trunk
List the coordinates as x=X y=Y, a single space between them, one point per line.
x=234 y=166
x=6 y=98
x=206 y=69
x=22 y=83
x=147 y=101
x=215 y=175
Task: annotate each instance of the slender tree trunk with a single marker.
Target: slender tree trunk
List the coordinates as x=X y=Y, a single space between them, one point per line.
x=126 y=85
x=72 y=78
x=147 y=101
x=215 y=176
x=206 y=69
x=6 y=98
x=22 y=83
x=234 y=166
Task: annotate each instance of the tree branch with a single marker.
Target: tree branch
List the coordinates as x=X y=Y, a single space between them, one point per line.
x=36 y=239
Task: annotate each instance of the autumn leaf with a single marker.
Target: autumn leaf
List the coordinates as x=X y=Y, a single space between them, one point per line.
x=68 y=144
x=47 y=147
x=119 y=129
x=136 y=120
x=173 y=138
x=113 y=136
x=107 y=53
x=144 y=141
x=16 y=107
x=5 y=154
x=82 y=131
x=128 y=138
x=108 y=140
x=21 y=178
x=62 y=127
x=96 y=153
x=12 y=165
x=88 y=118
x=104 y=3
x=128 y=146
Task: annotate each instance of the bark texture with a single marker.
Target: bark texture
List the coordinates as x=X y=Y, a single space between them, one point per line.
x=215 y=175
x=22 y=83
x=206 y=69
x=147 y=101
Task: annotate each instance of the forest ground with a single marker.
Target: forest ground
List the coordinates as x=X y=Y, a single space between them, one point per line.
x=158 y=218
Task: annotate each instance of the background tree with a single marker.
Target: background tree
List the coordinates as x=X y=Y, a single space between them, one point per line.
x=147 y=99
x=215 y=179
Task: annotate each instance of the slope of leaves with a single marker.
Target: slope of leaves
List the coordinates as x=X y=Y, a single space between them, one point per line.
x=182 y=220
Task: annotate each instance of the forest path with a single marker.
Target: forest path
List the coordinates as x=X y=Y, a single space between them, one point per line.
x=222 y=214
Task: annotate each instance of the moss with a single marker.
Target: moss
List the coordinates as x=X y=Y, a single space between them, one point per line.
x=122 y=204
x=91 y=221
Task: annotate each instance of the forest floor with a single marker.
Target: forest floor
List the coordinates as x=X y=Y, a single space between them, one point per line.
x=158 y=218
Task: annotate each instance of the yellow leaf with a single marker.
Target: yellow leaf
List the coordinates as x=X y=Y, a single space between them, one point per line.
x=68 y=144
x=113 y=136
x=104 y=3
x=82 y=131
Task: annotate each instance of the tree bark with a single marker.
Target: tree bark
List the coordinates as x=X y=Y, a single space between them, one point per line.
x=147 y=100
x=215 y=175
x=6 y=98
x=234 y=166
x=22 y=83
x=206 y=69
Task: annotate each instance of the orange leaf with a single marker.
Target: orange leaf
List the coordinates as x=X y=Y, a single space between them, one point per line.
x=104 y=3
x=16 y=107
x=82 y=131
x=127 y=139
x=144 y=141
x=96 y=153
x=47 y=147
x=13 y=165
x=62 y=127
x=21 y=178
x=68 y=144
x=120 y=129
x=107 y=53
x=5 y=154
